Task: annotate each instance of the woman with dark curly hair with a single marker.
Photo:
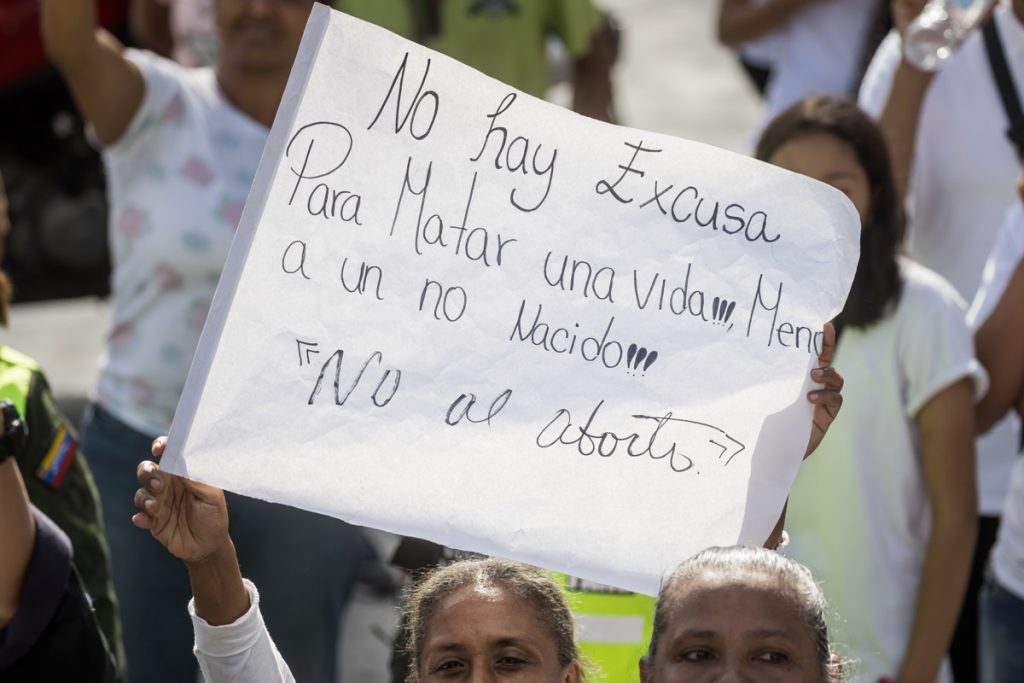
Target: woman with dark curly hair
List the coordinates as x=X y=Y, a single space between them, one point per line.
x=884 y=516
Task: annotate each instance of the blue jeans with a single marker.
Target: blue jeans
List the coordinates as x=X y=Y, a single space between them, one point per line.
x=303 y=564
x=1001 y=635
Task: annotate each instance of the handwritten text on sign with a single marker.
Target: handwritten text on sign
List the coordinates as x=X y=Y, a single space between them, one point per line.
x=457 y=312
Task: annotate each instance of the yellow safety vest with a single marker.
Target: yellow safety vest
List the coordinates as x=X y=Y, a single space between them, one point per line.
x=614 y=627
x=15 y=377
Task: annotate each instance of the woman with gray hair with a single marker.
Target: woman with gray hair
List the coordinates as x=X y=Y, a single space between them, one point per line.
x=740 y=613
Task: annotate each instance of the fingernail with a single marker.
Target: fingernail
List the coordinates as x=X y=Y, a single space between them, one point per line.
x=150 y=504
x=817 y=373
x=156 y=484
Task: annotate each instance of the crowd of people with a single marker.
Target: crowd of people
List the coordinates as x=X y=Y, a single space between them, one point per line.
x=903 y=555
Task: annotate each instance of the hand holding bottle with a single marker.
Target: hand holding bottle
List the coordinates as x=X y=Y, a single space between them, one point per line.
x=939 y=29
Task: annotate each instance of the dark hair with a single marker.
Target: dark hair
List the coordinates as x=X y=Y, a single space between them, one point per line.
x=877 y=284
x=6 y=291
x=527 y=583
x=793 y=579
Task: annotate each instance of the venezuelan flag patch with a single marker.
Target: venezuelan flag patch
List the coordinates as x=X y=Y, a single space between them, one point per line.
x=58 y=459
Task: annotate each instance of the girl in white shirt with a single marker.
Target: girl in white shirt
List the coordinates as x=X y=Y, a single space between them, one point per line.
x=884 y=514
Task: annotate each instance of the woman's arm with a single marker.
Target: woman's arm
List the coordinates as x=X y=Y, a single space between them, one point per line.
x=740 y=21
x=592 y=78
x=829 y=399
x=826 y=401
x=191 y=521
x=17 y=537
x=902 y=110
x=946 y=427
x=107 y=87
x=998 y=346
x=899 y=120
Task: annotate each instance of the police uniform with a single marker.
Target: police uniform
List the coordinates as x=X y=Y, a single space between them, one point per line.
x=59 y=483
x=614 y=626
x=54 y=635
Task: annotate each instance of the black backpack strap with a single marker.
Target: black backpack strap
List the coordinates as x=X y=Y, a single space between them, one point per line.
x=1007 y=90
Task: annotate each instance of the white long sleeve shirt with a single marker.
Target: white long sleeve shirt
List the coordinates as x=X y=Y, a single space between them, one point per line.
x=239 y=652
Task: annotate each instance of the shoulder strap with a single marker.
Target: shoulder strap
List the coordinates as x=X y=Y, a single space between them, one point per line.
x=1007 y=90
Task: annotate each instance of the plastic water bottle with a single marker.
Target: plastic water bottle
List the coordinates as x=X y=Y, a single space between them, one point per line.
x=939 y=29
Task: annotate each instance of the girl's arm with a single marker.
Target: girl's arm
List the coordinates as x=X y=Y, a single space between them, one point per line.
x=17 y=538
x=946 y=426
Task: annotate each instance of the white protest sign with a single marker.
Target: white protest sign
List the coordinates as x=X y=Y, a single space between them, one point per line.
x=456 y=312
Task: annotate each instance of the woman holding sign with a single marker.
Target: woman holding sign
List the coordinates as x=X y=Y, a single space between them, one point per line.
x=885 y=516
x=485 y=615
x=191 y=521
x=744 y=613
x=740 y=614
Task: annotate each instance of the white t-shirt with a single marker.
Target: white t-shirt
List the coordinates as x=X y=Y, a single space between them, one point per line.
x=817 y=52
x=177 y=180
x=859 y=514
x=963 y=178
x=1007 y=558
x=239 y=652
x=1002 y=261
x=1008 y=553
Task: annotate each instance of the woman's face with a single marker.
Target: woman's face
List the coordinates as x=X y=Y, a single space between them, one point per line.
x=261 y=35
x=728 y=628
x=826 y=158
x=485 y=634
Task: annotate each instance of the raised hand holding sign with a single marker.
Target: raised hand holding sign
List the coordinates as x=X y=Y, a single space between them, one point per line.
x=457 y=312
